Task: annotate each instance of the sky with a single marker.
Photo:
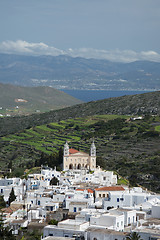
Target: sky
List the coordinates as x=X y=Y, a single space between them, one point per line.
x=117 y=30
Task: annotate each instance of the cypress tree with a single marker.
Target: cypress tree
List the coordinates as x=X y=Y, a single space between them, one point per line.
x=12 y=197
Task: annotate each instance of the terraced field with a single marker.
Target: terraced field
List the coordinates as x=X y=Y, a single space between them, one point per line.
x=49 y=138
x=129 y=147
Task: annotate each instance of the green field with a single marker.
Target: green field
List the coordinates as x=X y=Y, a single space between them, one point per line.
x=129 y=147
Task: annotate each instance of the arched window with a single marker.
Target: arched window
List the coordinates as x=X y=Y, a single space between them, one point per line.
x=71 y=166
x=79 y=166
x=87 y=166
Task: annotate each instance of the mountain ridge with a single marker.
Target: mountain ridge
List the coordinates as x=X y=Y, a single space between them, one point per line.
x=66 y=72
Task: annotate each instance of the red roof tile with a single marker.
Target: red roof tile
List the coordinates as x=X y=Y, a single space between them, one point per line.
x=88 y=190
x=111 y=188
x=72 y=151
x=7 y=210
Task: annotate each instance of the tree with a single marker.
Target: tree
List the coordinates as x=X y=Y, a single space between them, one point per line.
x=2 y=202
x=5 y=233
x=134 y=236
x=12 y=196
x=53 y=222
x=54 y=181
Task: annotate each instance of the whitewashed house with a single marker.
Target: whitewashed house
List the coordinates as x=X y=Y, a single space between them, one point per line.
x=97 y=233
x=79 y=195
x=129 y=215
x=124 y=199
x=156 y=211
x=67 y=228
x=111 y=220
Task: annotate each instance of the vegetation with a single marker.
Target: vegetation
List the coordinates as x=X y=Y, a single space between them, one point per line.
x=16 y=100
x=134 y=236
x=53 y=222
x=130 y=147
x=147 y=103
x=5 y=232
x=54 y=181
x=12 y=196
x=2 y=202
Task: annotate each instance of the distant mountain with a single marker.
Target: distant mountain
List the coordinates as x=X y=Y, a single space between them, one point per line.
x=65 y=72
x=16 y=100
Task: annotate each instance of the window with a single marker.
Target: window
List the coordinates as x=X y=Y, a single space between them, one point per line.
x=103 y=195
x=79 y=209
x=1 y=190
x=117 y=224
x=104 y=178
x=74 y=209
x=99 y=195
x=121 y=223
x=133 y=219
x=117 y=199
x=129 y=220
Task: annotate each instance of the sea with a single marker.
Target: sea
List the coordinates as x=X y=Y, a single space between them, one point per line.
x=93 y=95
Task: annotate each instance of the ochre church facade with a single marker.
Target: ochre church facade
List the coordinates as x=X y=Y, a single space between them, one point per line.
x=77 y=160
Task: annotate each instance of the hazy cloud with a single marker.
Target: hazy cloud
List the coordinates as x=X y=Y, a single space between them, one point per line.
x=23 y=47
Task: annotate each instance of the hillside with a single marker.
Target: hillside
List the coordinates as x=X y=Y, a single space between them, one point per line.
x=65 y=72
x=26 y=100
x=140 y=104
x=130 y=147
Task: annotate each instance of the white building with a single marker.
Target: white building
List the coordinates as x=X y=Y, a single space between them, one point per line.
x=97 y=233
x=126 y=198
x=156 y=211
x=111 y=220
x=67 y=228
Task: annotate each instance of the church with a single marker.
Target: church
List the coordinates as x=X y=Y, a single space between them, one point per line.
x=77 y=160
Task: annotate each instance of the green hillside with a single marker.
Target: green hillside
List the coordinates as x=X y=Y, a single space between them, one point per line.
x=16 y=100
x=130 y=147
x=140 y=104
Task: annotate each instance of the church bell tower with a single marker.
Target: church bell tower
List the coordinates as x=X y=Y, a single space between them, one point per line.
x=93 y=156
x=66 y=149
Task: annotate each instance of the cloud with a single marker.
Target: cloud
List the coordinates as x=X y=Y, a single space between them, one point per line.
x=36 y=49
x=23 y=47
x=115 y=55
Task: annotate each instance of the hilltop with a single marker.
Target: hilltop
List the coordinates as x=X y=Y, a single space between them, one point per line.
x=20 y=100
x=139 y=104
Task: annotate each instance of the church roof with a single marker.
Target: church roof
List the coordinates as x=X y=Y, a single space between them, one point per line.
x=72 y=151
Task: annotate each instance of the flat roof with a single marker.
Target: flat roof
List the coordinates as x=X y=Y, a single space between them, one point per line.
x=107 y=231
x=58 y=238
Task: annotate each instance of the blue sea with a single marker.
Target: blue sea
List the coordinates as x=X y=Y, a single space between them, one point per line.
x=93 y=95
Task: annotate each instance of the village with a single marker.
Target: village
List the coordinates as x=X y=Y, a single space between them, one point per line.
x=81 y=202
